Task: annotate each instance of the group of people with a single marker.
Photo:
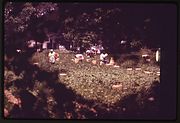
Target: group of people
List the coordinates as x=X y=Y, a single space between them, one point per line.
x=103 y=57
x=53 y=57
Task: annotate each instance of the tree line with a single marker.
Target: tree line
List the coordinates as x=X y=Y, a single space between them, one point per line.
x=83 y=24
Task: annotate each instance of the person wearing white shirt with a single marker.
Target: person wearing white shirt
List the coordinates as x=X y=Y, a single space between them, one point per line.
x=51 y=56
x=80 y=57
x=103 y=56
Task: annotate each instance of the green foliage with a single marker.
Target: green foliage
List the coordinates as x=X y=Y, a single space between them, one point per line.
x=128 y=63
x=10 y=76
x=80 y=27
x=21 y=17
x=94 y=25
x=152 y=54
x=95 y=81
x=136 y=44
x=92 y=82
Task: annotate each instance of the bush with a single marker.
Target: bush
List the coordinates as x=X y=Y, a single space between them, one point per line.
x=128 y=63
x=135 y=45
x=9 y=76
x=151 y=54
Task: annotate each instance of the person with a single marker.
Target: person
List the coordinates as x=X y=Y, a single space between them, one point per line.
x=103 y=57
x=93 y=50
x=80 y=57
x=89 y=53
x=146 y=58
x=51 y=56
x=56 y=57
x=98 y=51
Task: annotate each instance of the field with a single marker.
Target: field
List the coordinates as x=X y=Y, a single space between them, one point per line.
x=86 y=90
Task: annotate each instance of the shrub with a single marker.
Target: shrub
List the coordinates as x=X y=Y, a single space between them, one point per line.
x=150 y=53
x=9 y=76
x=135 y=45
x=128 y=63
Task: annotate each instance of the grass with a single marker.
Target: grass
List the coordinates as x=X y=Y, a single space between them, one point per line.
x=95 y=82
x=87 y=89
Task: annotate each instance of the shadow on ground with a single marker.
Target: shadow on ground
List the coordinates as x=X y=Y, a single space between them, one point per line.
x=54 y=100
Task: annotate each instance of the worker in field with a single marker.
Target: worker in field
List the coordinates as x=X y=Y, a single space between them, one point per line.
x=80 y=57
x=103 y=58
x=89 y=53
x=52 y=57
x=56 y=57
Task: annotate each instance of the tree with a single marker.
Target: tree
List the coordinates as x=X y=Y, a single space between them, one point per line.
x=81 y=24
x=21 y=19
